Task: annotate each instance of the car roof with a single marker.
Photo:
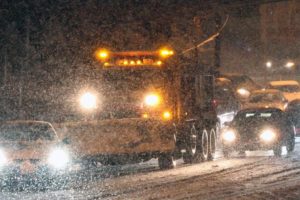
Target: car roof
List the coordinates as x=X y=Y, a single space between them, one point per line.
x=285 y=82
x=231 y=75
x=29 y=122
x=265 y=91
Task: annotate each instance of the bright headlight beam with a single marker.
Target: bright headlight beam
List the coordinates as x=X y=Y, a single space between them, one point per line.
x=229 y=136
x=3 y=159
x=58 y=158
x=152 y=100
x=243 y=92
x=267 y=135
x=88 y=101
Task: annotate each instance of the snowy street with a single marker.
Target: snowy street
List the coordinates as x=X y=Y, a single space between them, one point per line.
x=259 y=175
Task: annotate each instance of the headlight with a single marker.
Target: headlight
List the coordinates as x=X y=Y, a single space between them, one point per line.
x=229 y=136
x=243 y=92
x=267 y=135
x=152 y=100
x=88 y=101
x=58 y=158
x=3 y=159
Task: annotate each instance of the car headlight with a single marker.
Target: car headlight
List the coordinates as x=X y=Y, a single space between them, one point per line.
x=267 y=135
x=88 y=101
x=3 y=159
x=243 y=92
x=58 y=158
x=152 y=100
x=229 y=136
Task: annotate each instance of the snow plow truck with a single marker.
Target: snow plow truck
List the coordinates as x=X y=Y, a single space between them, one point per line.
x=150 y=106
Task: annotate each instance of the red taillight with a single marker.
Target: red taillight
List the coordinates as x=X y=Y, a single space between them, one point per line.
x=214 y=103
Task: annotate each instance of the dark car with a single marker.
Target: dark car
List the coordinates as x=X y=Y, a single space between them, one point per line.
x=259 y=129
x=242 y=84
x=293 y=112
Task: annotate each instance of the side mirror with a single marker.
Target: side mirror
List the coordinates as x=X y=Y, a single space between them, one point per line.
x=66 y=140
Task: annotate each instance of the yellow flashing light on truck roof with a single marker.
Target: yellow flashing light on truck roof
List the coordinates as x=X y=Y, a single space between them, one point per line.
x=133 y=58
x=166 y=53
x=102 y=54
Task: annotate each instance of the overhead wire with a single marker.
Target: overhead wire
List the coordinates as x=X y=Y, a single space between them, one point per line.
x=209 y=39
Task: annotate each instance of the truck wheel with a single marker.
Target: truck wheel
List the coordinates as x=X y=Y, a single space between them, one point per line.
x=277 y=150
x=193 y=147
x=204 y=145
x=212 y=145
x=166 y=161
x=290 y=146
x=226 y=153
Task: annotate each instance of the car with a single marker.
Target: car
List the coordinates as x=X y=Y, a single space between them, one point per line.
x=30 y=151
x=242 y=84
x=290 y=88
x=267 y=98
x=226 y=102
x=293 y=112
x=258 y=129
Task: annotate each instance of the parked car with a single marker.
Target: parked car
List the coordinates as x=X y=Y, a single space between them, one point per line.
x=259 y=129
x=31 y=152
x=242 y=84
x=290 y=88
x=269 y=98
x=293 y=111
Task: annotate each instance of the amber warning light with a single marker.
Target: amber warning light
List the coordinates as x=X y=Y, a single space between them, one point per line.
x=133 y=58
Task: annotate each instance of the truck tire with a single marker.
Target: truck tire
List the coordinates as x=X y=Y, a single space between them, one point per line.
x=166 y=161
x=193 y=147
x=212 y=144
x=290 y=144
x=204 y=145
x=277 y=150
x=226 y=153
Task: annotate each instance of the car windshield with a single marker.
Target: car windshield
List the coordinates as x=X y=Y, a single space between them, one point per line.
x=257 y=116
x=287 y=88
x=26 y=132
x=265 y=97
x=133 y=79
x=239 y=80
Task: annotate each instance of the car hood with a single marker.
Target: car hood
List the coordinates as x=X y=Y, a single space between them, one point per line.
x=252 y=129
x=26 y=150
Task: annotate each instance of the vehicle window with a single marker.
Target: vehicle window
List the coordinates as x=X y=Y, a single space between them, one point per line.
x=287 y=88
x=19 y=132
x=265 y=97
x=257 y=115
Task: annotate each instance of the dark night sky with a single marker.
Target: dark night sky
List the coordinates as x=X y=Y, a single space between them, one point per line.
x=76 y=28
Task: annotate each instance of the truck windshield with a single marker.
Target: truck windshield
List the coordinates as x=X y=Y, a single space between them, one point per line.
x=133 y=79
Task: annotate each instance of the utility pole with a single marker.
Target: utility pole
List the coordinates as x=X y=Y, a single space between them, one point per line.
x=217 y=63
x=5 y=68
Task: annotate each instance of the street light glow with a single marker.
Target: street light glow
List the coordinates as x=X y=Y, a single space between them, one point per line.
x=269 y=64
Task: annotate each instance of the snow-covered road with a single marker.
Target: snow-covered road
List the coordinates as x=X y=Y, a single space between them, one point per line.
x=259 y=175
